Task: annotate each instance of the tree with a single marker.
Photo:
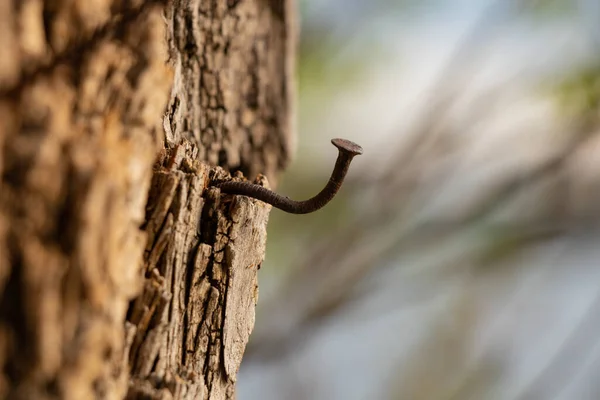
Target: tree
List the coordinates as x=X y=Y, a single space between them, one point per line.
x=122 y=272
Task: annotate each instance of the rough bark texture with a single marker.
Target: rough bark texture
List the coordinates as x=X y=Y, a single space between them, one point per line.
x=106 y=291
x=231 y=94
x=230 y=106
x=196 y=313
x=83 y=87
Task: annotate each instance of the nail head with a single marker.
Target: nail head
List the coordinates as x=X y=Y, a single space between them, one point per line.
x=347 y=146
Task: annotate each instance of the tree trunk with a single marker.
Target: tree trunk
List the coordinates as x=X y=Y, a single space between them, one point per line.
x=122 y=273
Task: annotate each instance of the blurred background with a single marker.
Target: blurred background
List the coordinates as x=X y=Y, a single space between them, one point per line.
x=461 y=260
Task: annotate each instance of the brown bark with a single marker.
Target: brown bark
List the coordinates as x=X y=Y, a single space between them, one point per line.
x=196 y=312
x=232 y=90
x=121 y=275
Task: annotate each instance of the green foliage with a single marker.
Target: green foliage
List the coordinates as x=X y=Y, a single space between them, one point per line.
x=317 y=69
x=579 y=93
x=551 y=8
x=500 y=242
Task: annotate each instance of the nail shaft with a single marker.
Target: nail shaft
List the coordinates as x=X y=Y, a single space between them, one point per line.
x=347 y=151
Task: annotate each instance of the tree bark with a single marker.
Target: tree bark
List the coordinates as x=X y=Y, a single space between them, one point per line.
x=122 y=273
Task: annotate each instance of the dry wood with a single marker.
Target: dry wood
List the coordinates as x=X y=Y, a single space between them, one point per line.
x=196 y=312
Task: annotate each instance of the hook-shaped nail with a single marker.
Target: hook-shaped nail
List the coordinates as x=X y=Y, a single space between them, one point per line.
x=347 y=151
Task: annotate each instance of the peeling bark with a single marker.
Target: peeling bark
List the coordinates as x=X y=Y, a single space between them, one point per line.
x=196 y=312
